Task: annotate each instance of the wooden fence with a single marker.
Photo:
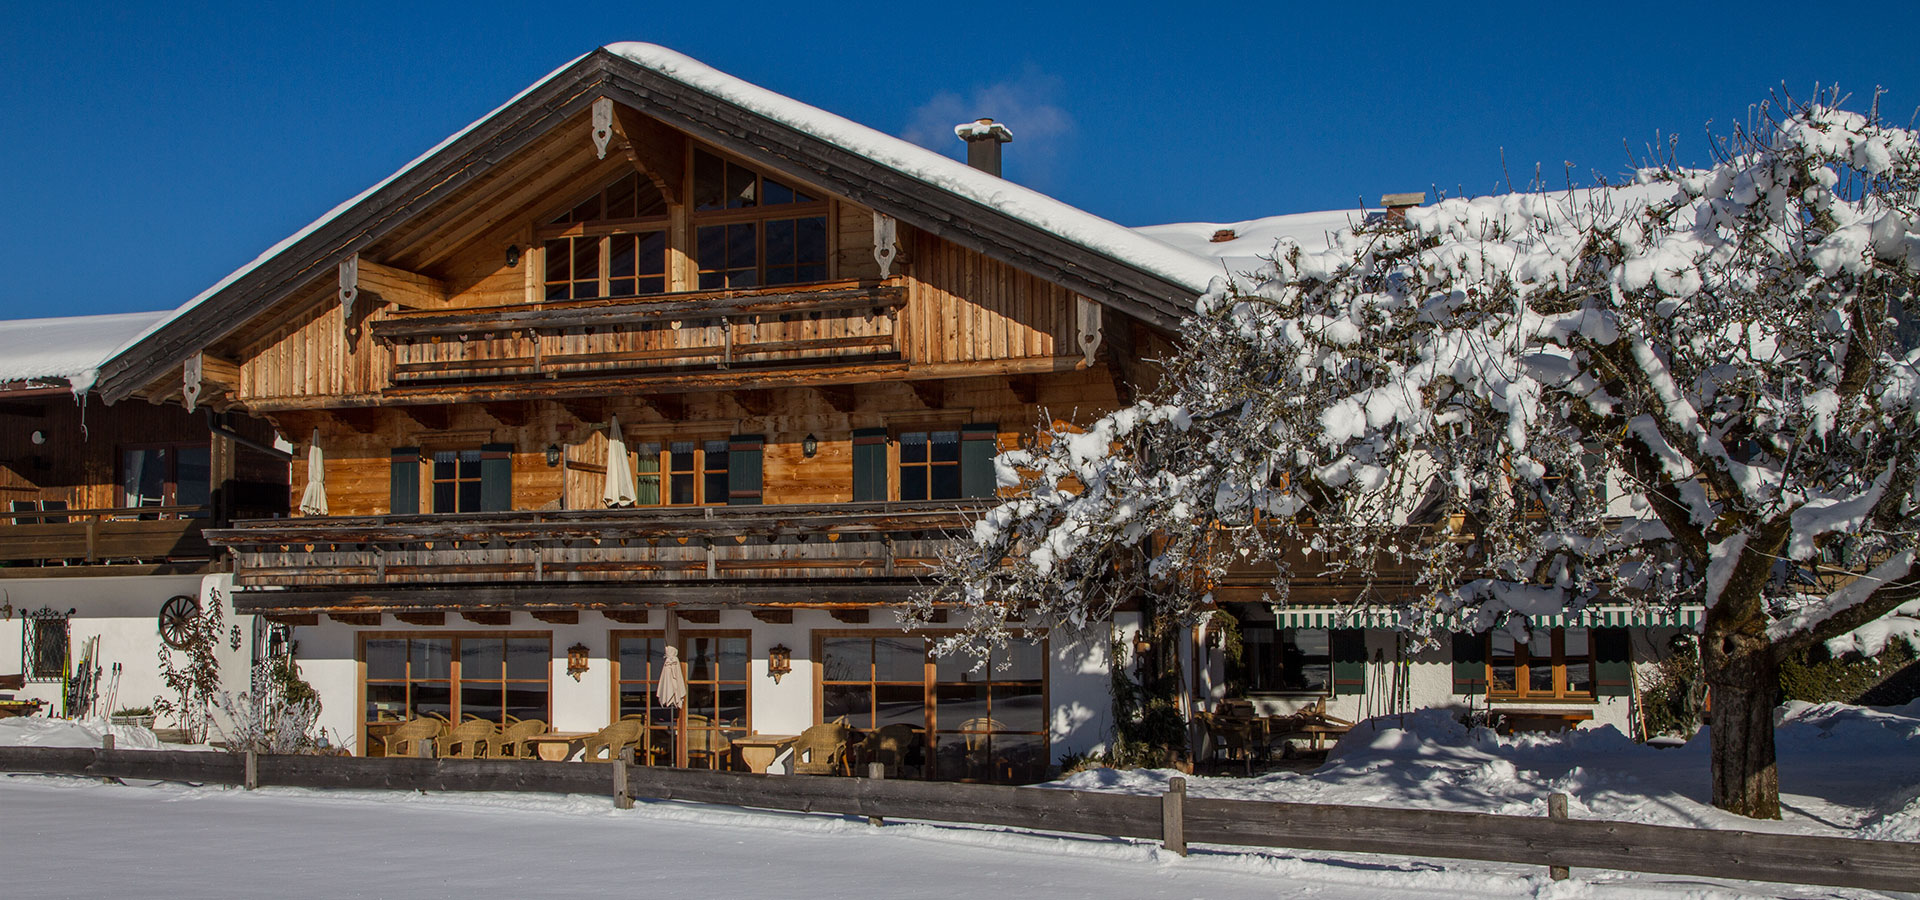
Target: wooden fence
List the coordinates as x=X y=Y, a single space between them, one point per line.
x=1174 y=818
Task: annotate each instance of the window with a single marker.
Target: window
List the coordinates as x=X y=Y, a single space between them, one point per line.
x=752 y=230
x=612 y=244
x=930 y=465
x=988 y=724
x=456 y=481
x=496 y=677
x=1287 y=660
x=1553 y=664
x=682 y=473
x=717 y=666
x=43 y=645
x=167 y=475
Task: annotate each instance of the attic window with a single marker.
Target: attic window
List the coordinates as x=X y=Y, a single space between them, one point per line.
x=611 y=244
x=632 y=197
x=751 y=229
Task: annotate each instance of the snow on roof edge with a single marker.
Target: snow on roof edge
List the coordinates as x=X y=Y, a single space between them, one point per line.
x=66 y=347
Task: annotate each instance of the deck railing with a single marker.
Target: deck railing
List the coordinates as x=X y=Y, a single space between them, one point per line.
x=100 y=536
x=730 y=543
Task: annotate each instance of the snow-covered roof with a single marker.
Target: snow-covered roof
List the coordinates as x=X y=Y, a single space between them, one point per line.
x=1187 y=271
x=71 y=347
x=1253 y=239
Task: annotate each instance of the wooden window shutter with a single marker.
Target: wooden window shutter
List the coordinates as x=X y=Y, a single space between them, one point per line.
x=1613 y=662
x=743 y=469
x=978 y=444
x=404 y=496
x=496 y=477
x=1348 y=647
x=869 y=464
x=1469 y=663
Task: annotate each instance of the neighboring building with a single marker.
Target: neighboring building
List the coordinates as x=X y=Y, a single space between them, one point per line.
x=104 y=517
x=651 y=357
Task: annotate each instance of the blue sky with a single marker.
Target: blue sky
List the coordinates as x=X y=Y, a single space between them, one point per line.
x=150 y=149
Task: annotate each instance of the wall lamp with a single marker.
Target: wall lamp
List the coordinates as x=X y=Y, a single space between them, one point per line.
x=576 y=660
x=513 y=256
x=553 y=455
x=779 y=661
x=809 y=445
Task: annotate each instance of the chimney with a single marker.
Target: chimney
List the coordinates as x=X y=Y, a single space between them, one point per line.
x=983 y=137
x=1398 y=204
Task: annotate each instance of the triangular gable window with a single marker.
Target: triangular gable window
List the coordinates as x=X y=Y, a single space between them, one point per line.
x=611 y=244
x=632 y=197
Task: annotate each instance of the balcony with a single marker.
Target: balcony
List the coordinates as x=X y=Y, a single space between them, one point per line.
x=83 y=541
x=815 y=554
x=719 y=335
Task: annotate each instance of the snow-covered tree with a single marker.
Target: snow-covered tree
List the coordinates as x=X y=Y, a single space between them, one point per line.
x=1456 y=391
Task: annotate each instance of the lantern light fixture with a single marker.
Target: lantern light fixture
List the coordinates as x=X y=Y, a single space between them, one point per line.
x=809 y=445
x=553 y=455
x=513 y=256
x=779 y=661
x=577 y=660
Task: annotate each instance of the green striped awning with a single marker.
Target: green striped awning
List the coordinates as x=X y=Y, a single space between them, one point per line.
x=1612 y=615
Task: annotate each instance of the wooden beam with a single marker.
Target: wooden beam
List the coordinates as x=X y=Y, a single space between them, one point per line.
x=558 y=616
x=400 y=287
x=483 y=616
x=625 y=616
x=432 y=417
x=295 y=619
x=1025 y=388
x=654 y=150
x=671 y=407
x=841 y=400
x=850 y=616
x=754 y=402
x=586 y=410
x=423 y=618
x=367 y=620
x=932 y=394
x=511 y=413
x=699 y=616
x=363 y=421
x=774 y=616
x=23 y=410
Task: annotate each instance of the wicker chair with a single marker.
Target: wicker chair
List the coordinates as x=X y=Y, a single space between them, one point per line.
x=977 y=733
x=889 y=746
x=613 y=739
x=823 y=750
x=707 y=742
x=405 y=740
x=512 y=741
x=467 y=740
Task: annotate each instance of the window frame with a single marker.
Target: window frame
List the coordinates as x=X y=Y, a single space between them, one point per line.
x=620 y=680
x=758 y=215
x=454 y=681
x=1279 y=644
x=433 y=480
x=702 y=471
x=601 y=232
x=901 y=465
x=170 y=490
x=1523 y=664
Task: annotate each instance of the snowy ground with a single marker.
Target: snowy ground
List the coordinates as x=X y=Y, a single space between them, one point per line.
x=1846 y=770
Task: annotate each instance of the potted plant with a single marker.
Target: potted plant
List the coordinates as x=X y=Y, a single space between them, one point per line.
x=139 y=716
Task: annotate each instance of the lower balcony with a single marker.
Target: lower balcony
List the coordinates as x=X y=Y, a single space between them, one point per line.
x=37 y=544
x=857 y=553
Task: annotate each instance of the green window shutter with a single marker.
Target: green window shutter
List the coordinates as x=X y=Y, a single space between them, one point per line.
x=496 y=477
x=1469 y=663
x=1596 y=466
x=1348 y=647
x=1613 y=658
x=978 y=444
x=404 y=498
x=869 y=464
x=743 y=469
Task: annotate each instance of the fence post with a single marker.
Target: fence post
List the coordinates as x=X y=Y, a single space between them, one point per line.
x=106 y=743
x=252 y=778
x=876 y=772
x=1557 y=809
x=1173 y=816
x=622 y=794
x=423 y=748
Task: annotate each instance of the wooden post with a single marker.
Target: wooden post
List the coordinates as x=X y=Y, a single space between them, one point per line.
x=622 y=794
x=1557 y=809
x=1173 y=816
x=252 y=779
x=423 y=748
x=106 y=743
x=877 y=772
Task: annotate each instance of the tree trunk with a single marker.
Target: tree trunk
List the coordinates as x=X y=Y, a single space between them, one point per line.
x=1743 y=677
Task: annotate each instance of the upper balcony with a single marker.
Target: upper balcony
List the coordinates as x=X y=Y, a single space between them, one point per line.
x=721 y=551
x=714 y=336
x=80 y=541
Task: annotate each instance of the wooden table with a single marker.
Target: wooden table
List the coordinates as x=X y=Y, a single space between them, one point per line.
x=558 y=746
x=758 y=751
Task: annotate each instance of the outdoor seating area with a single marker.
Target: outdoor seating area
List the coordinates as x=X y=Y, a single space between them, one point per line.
x=1236 y=733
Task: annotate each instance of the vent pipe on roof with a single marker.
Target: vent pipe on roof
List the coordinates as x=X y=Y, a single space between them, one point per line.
x=983 y=137
x=1398 y=204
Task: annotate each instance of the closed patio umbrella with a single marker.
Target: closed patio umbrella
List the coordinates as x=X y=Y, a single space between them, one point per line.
x=620 y=490
x=313 y=501
x=671 y=692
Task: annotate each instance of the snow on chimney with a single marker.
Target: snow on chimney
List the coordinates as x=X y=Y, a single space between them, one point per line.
x=1398 y=204
x=983 y=137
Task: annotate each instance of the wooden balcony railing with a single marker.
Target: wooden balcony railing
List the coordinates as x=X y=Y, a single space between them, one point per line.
x=811 y=325
x=693 y=544
x=103 y=536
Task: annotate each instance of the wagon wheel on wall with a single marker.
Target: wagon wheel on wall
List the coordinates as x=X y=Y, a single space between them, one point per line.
x=176 y=620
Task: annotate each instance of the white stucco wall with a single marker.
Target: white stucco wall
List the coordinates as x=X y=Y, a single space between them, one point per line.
x=123 y=611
